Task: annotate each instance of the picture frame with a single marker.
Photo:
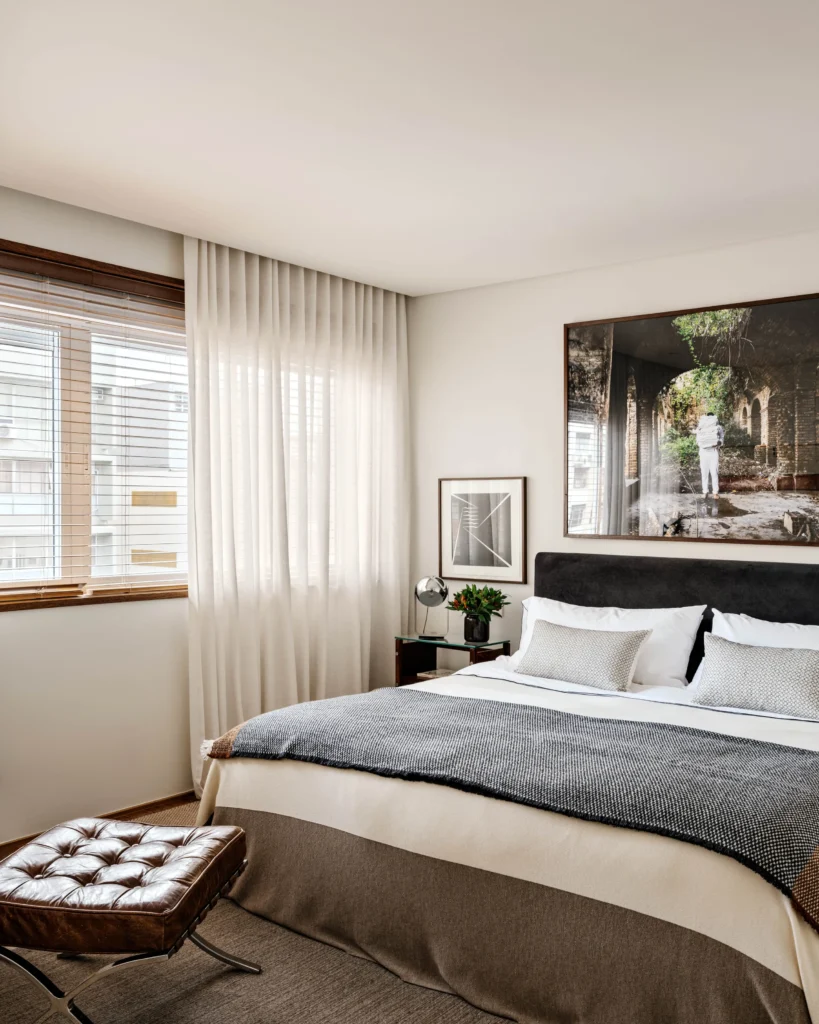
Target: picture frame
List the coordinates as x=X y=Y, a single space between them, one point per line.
x=482 y=529
x=645 y=393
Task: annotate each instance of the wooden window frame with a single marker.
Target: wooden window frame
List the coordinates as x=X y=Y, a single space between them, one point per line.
x=78 y=270
x=59 y=266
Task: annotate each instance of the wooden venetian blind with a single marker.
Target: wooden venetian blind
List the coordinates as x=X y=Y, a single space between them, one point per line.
x=93 y=439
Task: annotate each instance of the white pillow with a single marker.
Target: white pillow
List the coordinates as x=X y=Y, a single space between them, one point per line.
x=744 y=629
x=664 y=656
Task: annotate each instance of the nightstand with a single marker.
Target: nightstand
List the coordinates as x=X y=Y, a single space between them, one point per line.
x=414 y=655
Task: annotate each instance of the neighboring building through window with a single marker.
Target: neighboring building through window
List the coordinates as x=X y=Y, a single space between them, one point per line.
x=93 y=409
x=585 y=473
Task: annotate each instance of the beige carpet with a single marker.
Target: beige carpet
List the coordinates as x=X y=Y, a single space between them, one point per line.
x=183 y=814
x=303 y=982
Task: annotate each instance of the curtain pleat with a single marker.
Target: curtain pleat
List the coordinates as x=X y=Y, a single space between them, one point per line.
x=299 y=533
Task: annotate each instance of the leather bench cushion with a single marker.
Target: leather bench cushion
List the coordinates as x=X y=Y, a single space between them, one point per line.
x=99 y=886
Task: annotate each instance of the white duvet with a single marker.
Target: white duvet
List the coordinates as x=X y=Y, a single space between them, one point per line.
x=652 y=874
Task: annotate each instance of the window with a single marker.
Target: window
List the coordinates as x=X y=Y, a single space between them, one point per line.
x=586 y=444
x=576 y=515
x=25 y=476
x=93 y=438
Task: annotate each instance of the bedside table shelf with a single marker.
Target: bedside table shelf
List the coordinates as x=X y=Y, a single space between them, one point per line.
x=414 y=655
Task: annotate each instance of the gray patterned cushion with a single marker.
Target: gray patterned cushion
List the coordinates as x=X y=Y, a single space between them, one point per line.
x=781 y=680
x=591 y=657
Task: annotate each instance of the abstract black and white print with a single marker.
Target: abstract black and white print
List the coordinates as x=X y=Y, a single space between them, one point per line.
x=482 y=529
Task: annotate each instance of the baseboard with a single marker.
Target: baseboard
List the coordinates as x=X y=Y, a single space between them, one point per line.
x=167 y=803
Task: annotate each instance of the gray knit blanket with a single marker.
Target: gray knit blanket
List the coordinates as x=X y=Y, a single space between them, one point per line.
x=753 y=801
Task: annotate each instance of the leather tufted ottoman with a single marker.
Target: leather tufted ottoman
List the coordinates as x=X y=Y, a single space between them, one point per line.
x=99 y=886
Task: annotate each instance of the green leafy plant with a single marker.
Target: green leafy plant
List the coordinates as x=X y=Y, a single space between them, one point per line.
x=710 y=388
x=483 y=602
x=722 y=330
x=680 y=448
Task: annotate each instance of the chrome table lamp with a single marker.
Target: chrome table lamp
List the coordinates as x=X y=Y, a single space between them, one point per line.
x=430 y=592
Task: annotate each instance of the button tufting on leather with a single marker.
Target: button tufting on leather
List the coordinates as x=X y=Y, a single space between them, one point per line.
x=104 y=886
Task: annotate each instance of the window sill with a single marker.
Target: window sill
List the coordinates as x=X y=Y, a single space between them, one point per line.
x=100 y=597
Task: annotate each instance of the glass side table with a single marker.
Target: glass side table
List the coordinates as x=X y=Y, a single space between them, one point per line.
x=413 y=654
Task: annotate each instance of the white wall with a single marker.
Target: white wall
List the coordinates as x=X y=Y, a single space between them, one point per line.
x=94 y=710
x=96 y=236
x=93 y=701
x=486 y=383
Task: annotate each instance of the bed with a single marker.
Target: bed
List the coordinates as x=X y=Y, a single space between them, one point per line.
x=527 y=913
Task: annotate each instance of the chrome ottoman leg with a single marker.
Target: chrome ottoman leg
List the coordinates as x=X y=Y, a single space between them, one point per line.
x=226 y=958
x=63 y=1002
x=56 y=997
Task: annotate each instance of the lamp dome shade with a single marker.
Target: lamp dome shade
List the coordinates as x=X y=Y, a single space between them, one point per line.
x=431 y=591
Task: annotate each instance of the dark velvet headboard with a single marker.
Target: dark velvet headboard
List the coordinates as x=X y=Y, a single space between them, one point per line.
x=777 y=591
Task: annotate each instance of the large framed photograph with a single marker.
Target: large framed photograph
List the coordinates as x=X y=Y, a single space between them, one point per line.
x=696 y=425
x=482 y=529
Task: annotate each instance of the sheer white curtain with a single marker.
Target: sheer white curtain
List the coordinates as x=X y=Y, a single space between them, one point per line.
x=299 y=487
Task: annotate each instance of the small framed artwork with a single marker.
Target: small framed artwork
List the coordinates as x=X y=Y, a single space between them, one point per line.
x=482 y=529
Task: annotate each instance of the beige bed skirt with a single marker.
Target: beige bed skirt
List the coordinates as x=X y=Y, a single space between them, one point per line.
x=513 y=947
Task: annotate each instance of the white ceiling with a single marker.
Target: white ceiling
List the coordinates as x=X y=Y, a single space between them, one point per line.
x=422 y=145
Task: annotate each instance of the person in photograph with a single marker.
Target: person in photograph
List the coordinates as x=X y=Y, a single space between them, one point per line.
x=710 y=438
